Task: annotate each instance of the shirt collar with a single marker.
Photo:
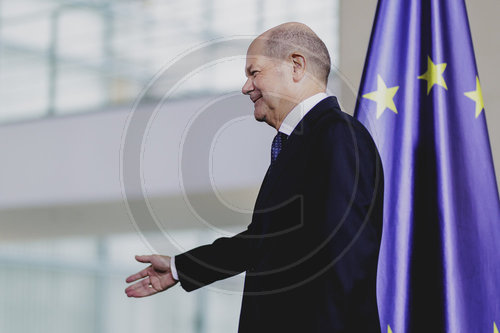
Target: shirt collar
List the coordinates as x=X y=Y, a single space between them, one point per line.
x=299 y=111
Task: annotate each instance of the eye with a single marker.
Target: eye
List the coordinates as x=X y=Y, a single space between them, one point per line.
x=253 y=73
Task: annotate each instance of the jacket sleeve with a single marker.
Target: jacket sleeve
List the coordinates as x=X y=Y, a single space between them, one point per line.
x=225 y=257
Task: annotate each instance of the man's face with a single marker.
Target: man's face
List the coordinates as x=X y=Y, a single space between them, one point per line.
x=267 y=85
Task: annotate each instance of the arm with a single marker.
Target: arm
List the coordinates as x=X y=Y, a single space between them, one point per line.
x=225 y=257
x=352 y=191
x=201 y=266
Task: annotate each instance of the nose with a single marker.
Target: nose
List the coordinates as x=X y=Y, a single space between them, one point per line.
x=247 y=87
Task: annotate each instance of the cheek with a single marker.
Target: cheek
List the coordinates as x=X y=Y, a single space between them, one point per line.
x=265 y=86
x=258 y=83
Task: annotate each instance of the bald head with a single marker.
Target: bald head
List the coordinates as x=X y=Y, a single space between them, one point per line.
x=284 y=66
x=283 y=40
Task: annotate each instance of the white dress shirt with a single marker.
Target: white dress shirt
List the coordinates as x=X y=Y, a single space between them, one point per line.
x=299 y=111
x=173 y=269
x=291 y=120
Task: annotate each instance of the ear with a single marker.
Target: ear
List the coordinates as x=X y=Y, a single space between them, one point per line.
x=299 y=66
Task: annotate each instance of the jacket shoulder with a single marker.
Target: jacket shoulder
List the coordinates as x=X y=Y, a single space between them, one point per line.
x=332 y=121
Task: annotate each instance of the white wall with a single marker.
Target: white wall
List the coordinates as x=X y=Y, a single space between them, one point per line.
x=62 y=176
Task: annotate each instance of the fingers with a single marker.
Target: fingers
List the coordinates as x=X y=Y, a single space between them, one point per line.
x=140 y=289
x=148 y=287
x=137 y=276
x=155 y=278
x=144 y=272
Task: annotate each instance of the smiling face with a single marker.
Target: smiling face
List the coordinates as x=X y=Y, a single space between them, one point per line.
x=268 y=85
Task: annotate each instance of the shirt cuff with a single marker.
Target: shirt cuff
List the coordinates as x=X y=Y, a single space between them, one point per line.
x=173 y=269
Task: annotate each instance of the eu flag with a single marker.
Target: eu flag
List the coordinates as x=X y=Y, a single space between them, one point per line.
x=420 y=97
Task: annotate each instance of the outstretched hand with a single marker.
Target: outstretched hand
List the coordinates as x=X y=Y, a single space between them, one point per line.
x=153 y=279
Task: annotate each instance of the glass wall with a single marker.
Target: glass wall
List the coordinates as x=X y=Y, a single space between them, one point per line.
x=77 y=285
x=59 y=56
x=62 y=57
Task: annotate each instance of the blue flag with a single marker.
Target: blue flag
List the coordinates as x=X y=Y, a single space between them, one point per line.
x=420 y=98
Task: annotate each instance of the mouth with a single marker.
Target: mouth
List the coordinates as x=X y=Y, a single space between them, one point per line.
x=255 y=100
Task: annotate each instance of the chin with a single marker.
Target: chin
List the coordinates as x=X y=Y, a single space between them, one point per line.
x=258 y=116
x=260 y=119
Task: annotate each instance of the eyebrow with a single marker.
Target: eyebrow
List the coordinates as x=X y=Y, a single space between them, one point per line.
x=249 y=70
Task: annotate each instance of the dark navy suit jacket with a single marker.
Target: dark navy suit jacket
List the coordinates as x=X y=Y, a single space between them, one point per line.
x=310 y=253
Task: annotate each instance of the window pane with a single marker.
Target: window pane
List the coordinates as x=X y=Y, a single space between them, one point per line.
x=61 y=57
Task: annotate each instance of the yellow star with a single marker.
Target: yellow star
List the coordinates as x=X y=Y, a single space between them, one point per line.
x=477 y=96
x=495 y=328
x=434 y=75
x=389 y=329
x=383 y=96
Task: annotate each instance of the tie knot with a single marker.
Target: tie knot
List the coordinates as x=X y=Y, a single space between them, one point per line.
x=277 y=144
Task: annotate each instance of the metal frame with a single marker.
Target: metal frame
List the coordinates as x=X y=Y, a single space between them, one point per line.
x=108 y=67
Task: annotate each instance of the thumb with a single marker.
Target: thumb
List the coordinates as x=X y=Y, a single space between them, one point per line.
x=160 y=262
x=143 y=258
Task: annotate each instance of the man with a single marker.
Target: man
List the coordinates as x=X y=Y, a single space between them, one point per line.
x=310 y=253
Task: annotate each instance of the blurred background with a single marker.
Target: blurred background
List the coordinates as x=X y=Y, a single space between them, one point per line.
x=71 y=72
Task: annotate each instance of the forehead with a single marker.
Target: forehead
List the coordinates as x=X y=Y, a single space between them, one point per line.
x=255 y=50
x=256 y=56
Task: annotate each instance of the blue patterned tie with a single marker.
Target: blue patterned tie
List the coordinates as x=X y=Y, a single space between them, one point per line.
x=278 y=143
